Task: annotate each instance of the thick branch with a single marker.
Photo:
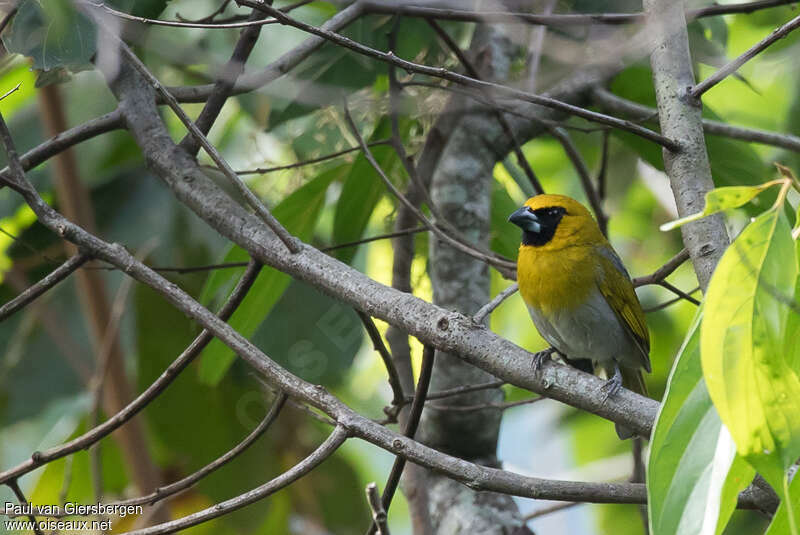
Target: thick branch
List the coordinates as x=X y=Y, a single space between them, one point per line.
x=474 y=476
x=689 y=171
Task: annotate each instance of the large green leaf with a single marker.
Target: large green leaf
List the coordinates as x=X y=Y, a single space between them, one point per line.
x=361 y=191
x=756 y=392
x=298 y=213
x=693 y=475
x=310 y=334
x=780 y=522
x=53 y=33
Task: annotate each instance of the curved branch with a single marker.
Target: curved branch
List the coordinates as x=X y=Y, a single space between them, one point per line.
x=438 y=72
x=182 y=484
x=611 y=102
x=325 y=450
x=57 y=275
x=95 y=434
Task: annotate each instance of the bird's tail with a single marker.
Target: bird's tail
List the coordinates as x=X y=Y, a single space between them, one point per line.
x=632 y=379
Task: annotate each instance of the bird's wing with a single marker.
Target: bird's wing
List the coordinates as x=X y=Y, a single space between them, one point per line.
x=615 y=285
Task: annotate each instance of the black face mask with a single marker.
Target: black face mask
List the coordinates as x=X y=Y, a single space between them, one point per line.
x=538 y=226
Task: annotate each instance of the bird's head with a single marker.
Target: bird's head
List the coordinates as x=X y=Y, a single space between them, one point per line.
x=556 y=221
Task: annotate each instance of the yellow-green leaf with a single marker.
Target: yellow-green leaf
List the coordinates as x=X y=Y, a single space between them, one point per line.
x=755 y=390
x=693 y=472
x=720 y=199
x=299 y=213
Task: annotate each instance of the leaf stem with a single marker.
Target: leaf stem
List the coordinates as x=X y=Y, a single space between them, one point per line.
x=788 y=502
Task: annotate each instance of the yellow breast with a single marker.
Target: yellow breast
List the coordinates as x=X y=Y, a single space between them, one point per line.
x=555 y=279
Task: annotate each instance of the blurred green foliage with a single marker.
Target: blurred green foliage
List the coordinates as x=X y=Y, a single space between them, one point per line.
x=214 y=404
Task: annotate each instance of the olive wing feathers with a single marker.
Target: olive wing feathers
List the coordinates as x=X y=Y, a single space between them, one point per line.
x=616 y=287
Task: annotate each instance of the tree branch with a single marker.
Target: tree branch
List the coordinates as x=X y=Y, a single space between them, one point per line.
x=182 y=484
x=732 y=66
x=255 y=203
x=409 y=429
x=438 y=72
x=57 y=275
x=611 y=102
x=325 y=450
x=95 y=434
x=689 y=171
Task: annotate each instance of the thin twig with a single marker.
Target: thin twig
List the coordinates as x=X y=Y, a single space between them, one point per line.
x=489 y=307
x=601 y=175
x=266 y=170
x=228 y=265
x=472 y=71
x=583 y=173
x=189 y=481
x=379 y=517
x=664 y=271
x=226 y=80
x=380 y=347
x=667 y=303
x=262 y=211
x=556 y=20
x=36 y=290
x=731 y=67
x=179 y=24
x=677 y=291
x=149 y=394
x=504 y=266
x=13 y=484
x=440 y=72
x=483 y=406
x=549 y=510
x=325 y=450
x=410 y=428
x=611 y=102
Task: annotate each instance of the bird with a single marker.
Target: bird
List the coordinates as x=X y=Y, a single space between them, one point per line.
x=579 y=294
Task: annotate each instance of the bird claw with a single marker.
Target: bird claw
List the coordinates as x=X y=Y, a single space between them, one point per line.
x=539 y=358
x=613 y=385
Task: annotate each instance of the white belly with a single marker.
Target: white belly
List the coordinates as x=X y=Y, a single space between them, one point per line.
x=590 y=331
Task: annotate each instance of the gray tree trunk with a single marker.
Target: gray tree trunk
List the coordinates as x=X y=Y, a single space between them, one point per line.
x=461 y=187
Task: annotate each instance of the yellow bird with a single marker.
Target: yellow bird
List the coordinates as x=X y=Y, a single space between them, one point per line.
x=579 y=293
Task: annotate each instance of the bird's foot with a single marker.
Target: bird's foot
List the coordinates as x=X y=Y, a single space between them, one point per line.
x=539 y=358
x=612 y=386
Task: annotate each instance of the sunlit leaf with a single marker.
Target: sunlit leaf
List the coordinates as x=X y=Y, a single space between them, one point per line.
x=756 y=392
x=720 y=199
x=298 y=213
x=693 y=476
x=780 y=522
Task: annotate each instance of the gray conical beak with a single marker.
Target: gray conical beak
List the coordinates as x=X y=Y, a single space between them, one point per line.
x=525 y=219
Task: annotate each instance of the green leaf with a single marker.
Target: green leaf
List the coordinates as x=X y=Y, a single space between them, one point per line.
x=720 y=199
x=361 y=191
x=53 y=34
x=780 y=522
x=298 y=213
x=755 y=391
x=693 y=473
